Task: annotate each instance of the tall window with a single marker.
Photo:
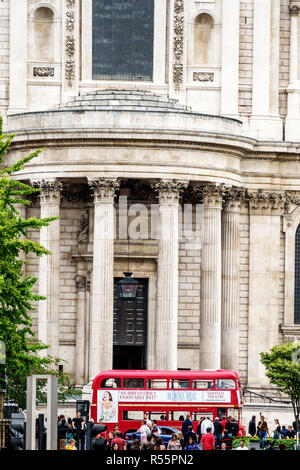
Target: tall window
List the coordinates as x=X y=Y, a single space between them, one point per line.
x=297 y=277
x=123 y=39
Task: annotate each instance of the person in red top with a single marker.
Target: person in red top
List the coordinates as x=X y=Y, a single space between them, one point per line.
x=208 y=440
x=118 y=440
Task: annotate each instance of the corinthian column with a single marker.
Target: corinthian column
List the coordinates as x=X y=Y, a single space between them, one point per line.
x=210 y=293
x=81 y=339
x=101 y=322
x=230 y=281
x=48 y=323
x=167 y=281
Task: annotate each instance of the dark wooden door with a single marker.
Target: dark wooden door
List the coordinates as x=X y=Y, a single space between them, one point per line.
x=130 y=328
x=130 y=317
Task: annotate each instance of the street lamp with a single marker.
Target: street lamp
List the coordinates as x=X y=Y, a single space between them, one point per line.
x=127 y=287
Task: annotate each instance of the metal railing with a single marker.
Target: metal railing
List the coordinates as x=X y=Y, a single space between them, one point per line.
x=258 y=397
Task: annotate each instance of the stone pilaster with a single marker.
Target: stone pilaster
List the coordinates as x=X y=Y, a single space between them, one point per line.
x=49 y=267
x=81 y=340
x=167 y=281
x=230 y=280
x=293 y=116
x=265 y=209
x=211 y=278
x=101 y=321
x=18 y=56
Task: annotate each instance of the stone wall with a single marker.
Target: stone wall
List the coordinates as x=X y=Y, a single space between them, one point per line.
x=246 y=57
x=244 y=293
x=4 y=54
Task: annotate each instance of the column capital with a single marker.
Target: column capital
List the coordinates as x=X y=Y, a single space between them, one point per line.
x=104 y=189
x=213 y=194
x=267 y=202
x=234 y=198
x=294 y=8
x=50 y=190
x=81 y=283
x=169 y=190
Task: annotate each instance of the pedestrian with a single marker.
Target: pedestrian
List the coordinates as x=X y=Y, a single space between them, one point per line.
x=185 y=425
x=252 y=426
x=226 y=440
x=198 y=431
x=262 y=431
x=180 y=438
x=191 y=444
x=155 y=429
x=62 y=429
x=174 y=443
x=242 y=446
x=271 y=446
x=111 y=436
x=115 y=446
x=82 y=433
x=135 y=445
x=284 y=432
x=71 y=445
x=218 y=431
x=99 y=443
x=291 y=434
x=159 y=444
x=149 y=445
x=229 y=427
x=76 y=425
x=207 y=423
x=148 y=420
x=189 y=434
x=118 y=440
x=277 y=430
x=208 y=440
x=223 y=446
x=235 y=427
x=145 y=431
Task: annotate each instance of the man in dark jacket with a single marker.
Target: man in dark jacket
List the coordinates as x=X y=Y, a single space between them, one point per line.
x=229 y=427
x=252 y=427
x=218 y=431
x=235 y=427
x=189 y=434
x=62 y=429
x=185 y=425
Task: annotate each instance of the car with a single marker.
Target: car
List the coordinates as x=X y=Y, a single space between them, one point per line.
x=165 y=434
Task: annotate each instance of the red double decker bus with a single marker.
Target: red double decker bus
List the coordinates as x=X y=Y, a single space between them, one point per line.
x=124 y=396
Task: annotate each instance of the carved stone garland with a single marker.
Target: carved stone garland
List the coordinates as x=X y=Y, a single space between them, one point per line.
x=70 y=42
x=178 y=44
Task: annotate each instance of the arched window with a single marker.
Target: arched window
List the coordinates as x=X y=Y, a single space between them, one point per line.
x=297 y=277
x=43 y=32
x=203 y=39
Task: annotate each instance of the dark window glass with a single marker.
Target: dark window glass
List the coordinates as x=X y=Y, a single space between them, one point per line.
x=123 y=39
x=297 y=277
x=133 y=383
x=111 y=383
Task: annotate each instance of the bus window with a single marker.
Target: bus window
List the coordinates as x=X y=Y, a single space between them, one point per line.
x=133 y=383
x=202 y=414
x=111 y=383
x=134 y=415
x=203 y=384
x=158 y=415
x=152 y=383
x=221 y=412
x=178 y=415
x=234 y=413
x=180 y=384
x=225 y=384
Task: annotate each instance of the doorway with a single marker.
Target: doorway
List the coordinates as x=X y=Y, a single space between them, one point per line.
x=130 y=328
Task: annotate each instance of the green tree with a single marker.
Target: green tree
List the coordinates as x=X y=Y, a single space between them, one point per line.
x=282 y=365
x=16 y=290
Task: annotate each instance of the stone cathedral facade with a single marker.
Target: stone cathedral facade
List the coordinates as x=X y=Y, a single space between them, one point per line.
x=171 y=137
